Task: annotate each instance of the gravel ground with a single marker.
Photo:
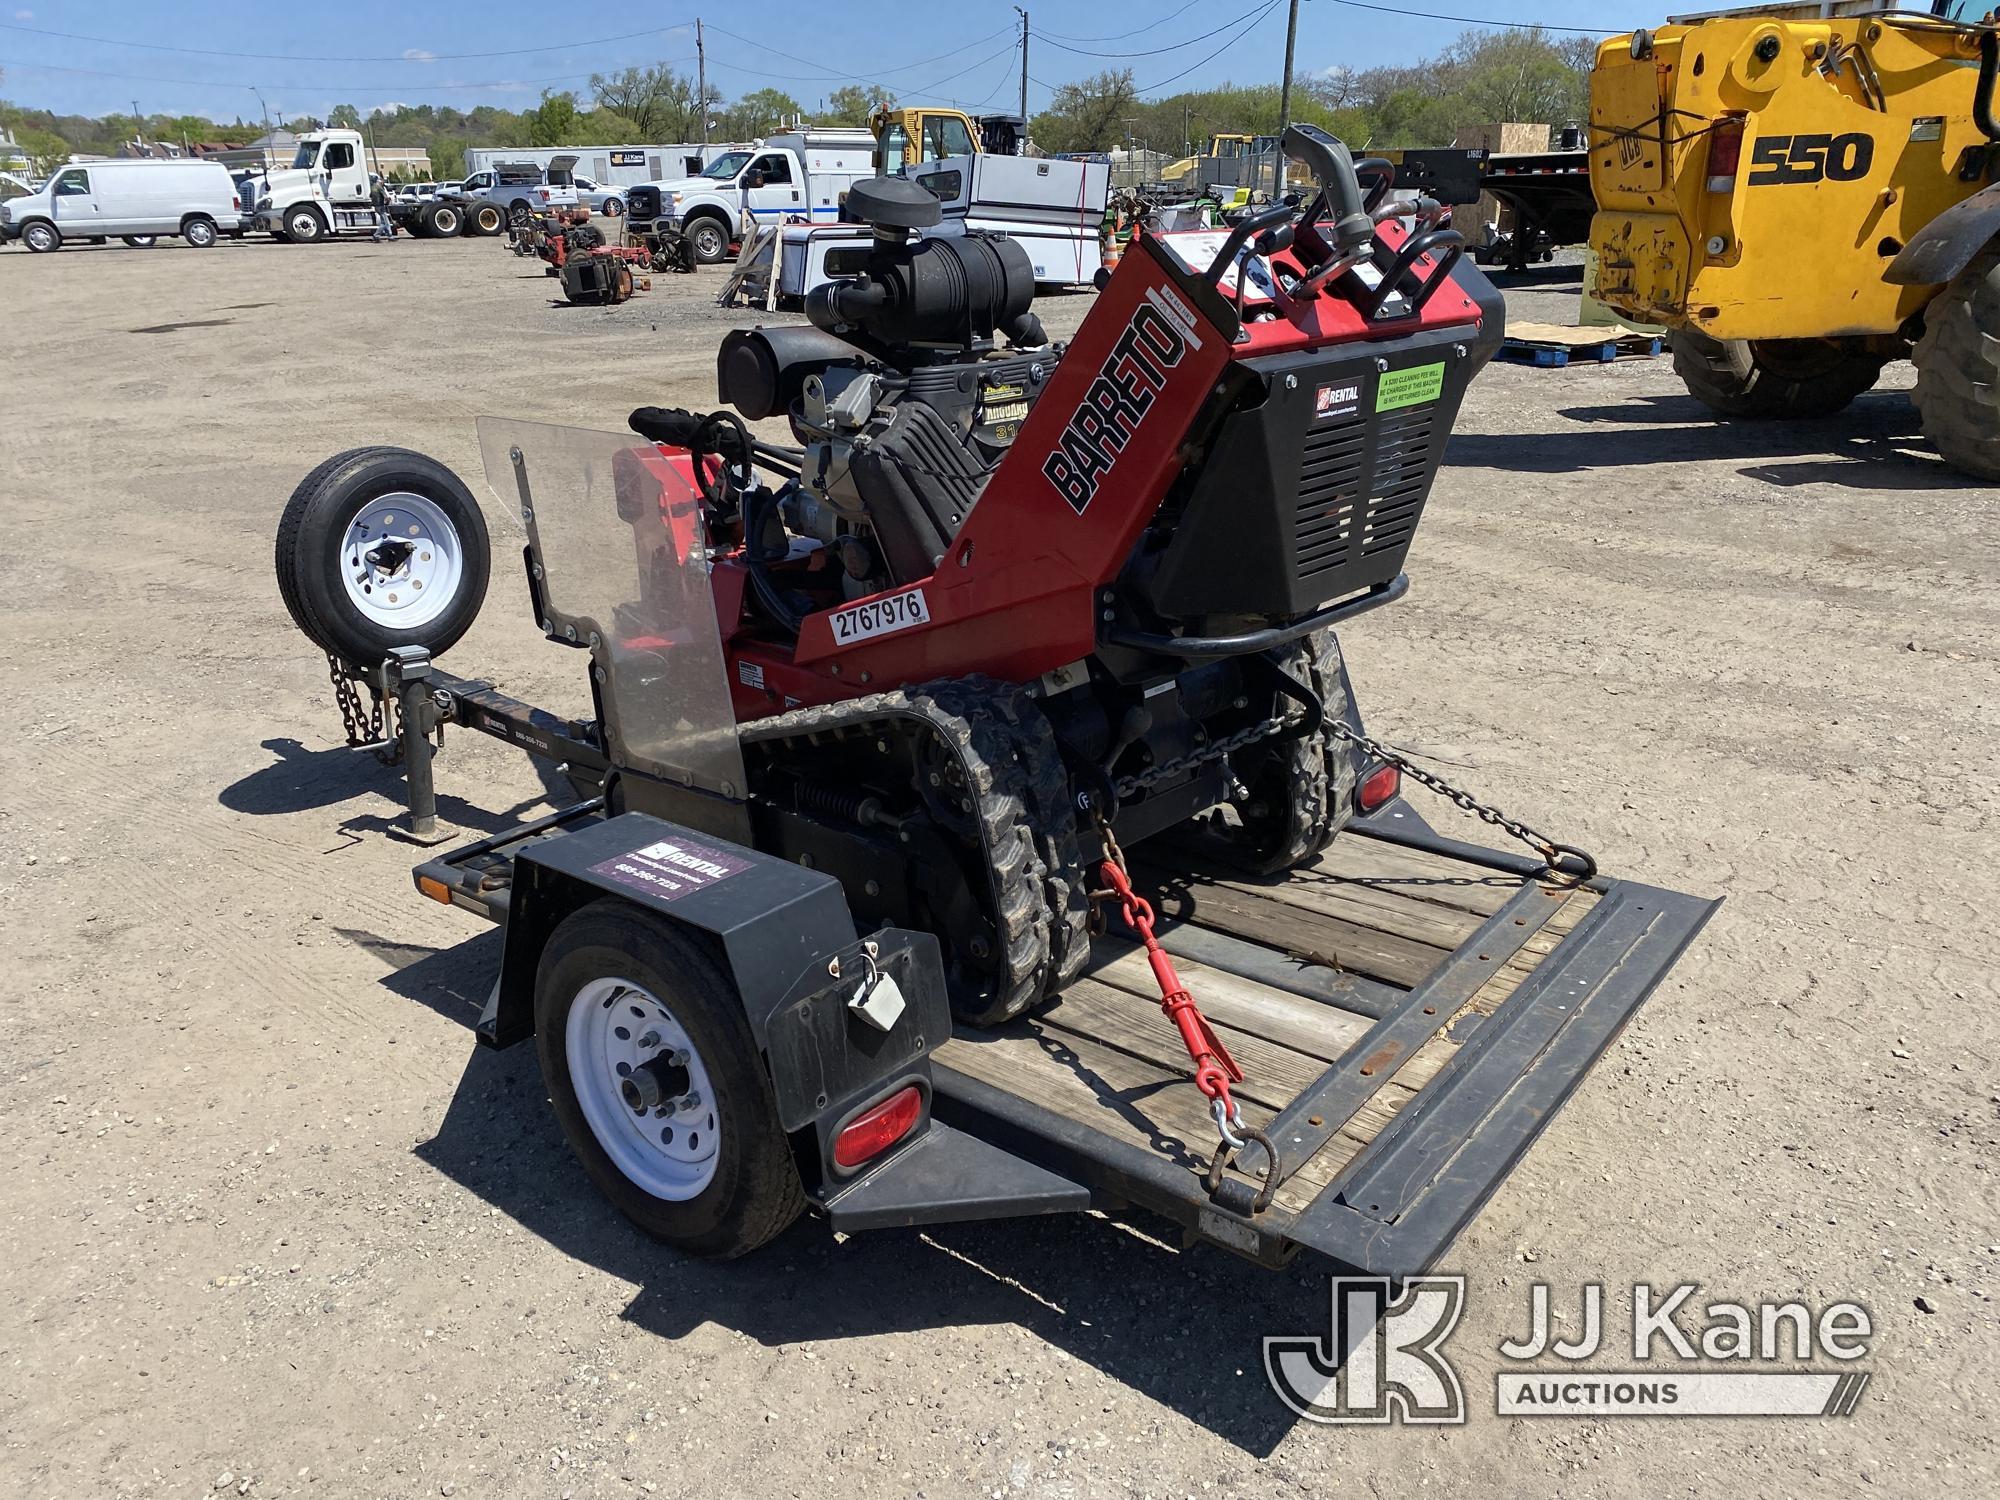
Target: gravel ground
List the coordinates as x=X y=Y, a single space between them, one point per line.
x=281 y=1229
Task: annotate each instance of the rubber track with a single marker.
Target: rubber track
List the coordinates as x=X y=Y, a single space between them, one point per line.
x=1026 y=819
x=1320 y=768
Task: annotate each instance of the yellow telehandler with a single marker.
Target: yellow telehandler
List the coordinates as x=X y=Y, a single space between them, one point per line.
x=1803 y=192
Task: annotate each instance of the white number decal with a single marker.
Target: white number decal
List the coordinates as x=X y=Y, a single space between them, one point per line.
x=880 y=617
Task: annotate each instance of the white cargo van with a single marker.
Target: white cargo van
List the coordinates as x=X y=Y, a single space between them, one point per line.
x=132 y=200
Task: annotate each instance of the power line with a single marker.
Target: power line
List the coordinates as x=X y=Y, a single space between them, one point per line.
x=296 y=88
x=1249 y=27
x=1156 y=51
x=883 y=72
x=1432 y=15
x=425 y=57
x=1120 y=36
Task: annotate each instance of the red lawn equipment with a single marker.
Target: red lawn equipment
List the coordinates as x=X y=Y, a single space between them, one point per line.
x=1001 y=607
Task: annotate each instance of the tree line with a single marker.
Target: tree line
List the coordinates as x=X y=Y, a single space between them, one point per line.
x=1483 y=77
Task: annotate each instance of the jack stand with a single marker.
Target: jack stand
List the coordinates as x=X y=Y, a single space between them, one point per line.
x=406 y=673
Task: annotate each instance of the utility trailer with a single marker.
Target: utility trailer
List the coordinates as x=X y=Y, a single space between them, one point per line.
x=876 y=718
x=1410 y=1011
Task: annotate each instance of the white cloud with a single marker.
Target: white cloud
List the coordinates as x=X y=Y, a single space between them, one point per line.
x=24 y=15
x=417 y=54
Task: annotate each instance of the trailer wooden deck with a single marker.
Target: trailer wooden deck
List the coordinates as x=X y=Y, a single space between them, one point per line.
x=1294 y=974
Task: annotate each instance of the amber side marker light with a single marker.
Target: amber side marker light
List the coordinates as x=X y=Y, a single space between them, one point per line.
x=434 y=888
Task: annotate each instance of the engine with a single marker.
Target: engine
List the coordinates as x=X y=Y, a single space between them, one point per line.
x=900 y=396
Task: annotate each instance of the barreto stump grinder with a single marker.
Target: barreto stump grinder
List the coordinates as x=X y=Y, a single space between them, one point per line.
x=974 y=818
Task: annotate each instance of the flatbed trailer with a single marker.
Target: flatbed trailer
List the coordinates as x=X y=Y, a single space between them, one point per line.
x=1548 y=191
x=1410 y=1011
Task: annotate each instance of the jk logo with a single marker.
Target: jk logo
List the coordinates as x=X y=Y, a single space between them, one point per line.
x=1380 y=1360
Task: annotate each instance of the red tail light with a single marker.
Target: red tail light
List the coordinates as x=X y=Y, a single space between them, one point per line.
x=874 y=1131
x=236 y=203
x=1725 y=152
x=1378 y=788
x=545 y=195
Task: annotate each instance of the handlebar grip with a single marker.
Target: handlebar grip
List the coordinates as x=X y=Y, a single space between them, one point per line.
x=1277 y=213
x=1353 y=228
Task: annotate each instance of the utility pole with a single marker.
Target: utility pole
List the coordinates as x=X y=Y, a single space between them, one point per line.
x=1285 y=89
x=1024 y=69
x=701 y=79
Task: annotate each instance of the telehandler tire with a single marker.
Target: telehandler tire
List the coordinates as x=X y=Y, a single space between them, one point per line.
x=1958 y=369
x=382 y=547
x=1772 y=378
x=625 y=1001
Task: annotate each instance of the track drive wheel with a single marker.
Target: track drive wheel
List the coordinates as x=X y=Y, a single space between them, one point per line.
x=657 y=1083
x=1773 y=378
x=1301 y=791
x=1958 y=368
x=382 y=547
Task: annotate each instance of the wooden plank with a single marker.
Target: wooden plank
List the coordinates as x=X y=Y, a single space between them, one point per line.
x=1314 y=936
x=1415 y=873
x=1378 y=905
x=1321 y=1031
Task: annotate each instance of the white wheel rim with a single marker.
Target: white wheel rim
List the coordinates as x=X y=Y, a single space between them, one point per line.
x=401 y=561
x=668 y=1150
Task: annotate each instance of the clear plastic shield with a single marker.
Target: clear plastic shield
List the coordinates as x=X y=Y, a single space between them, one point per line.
x=623 y=567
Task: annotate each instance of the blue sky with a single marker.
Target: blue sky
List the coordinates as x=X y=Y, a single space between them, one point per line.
x=411 y=52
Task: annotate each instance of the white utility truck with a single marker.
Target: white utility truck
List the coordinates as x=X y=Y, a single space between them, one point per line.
x=326 y=191
x=1053 y=209
x=799 y=175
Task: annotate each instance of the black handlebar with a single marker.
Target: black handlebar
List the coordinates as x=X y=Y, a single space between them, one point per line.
x=1339 y=188
x=1277 y=213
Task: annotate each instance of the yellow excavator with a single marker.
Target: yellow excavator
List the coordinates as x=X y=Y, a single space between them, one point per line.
x=920 y=133
x=1803 y=192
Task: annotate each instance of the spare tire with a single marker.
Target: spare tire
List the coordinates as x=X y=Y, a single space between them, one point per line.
x=382 y=547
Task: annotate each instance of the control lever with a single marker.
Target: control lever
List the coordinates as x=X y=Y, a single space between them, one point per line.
x=1278 y=213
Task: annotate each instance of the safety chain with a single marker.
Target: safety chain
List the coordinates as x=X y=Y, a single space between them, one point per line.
x=378 y=728
x=1214 y=1068
x=1125 y=786
x=368 y=728
x=1564 y=860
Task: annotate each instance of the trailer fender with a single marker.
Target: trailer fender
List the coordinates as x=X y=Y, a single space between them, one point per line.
x=783 y=930
x=1946 y=245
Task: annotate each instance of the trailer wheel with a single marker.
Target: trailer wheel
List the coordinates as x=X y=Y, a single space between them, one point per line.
x=1958 y=369
x=658 y=1084
x=382 y=547
x=710 y=238
x=1773 y=378
x=304 y=226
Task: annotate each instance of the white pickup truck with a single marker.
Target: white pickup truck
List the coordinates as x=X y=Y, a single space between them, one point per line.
x=801 y=175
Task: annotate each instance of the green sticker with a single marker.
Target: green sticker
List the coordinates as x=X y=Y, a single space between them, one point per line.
x=1409 y=387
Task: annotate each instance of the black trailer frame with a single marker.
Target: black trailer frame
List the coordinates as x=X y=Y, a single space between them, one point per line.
x=989 y=1151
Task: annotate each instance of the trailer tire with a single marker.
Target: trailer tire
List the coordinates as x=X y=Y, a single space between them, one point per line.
x=199 y=231
x=1958 y=368
x=710 y=238
x=360 y=527
x=724 y=1201
x=304 y=226
x=486 y=221
x=1771 y=379
x=40 y=236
